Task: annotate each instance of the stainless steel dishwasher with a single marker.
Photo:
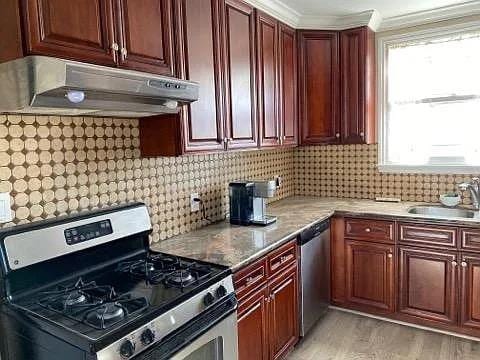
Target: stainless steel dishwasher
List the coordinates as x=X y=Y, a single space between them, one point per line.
x=314 y=274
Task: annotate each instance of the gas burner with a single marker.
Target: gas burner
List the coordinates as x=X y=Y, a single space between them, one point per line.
x=105 y=315
x=74 y=298
x=180 y=277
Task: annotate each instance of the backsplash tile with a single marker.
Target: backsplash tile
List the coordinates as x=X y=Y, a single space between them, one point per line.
x=350 y=171
x=54 y=166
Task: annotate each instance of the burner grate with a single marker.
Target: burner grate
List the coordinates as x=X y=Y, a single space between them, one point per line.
x=98 y=306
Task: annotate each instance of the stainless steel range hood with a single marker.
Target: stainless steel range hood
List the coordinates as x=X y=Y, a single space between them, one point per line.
x=44 y=85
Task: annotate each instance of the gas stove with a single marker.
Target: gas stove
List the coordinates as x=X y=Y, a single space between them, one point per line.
x=92 y=281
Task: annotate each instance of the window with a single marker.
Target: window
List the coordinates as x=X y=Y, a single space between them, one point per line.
x=429 y=101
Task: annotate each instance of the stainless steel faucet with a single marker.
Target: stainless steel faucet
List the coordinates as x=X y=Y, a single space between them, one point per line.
x=474 y=187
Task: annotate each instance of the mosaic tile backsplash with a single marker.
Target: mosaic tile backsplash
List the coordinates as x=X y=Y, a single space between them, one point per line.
x=54 y=166
x=350 y=171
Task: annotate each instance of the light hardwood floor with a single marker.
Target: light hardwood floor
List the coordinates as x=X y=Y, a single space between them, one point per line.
x=344 y=336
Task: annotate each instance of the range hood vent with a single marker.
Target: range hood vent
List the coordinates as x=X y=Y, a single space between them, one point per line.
x=51 y=86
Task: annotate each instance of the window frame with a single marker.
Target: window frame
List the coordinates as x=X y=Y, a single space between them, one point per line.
x=383 y=41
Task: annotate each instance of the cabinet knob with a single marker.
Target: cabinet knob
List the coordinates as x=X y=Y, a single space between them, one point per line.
x=464 y=264
x=454 y=263
x=115 y=47
x=284 y=137
x=267 y=299
x=337 y=135
x=362 y=134
x=368 y=229
x=390 y=255
x=225 y=140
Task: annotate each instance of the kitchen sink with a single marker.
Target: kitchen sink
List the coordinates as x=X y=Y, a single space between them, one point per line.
x=443 y=211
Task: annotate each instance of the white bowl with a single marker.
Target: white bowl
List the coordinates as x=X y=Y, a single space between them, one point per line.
x=449 y=200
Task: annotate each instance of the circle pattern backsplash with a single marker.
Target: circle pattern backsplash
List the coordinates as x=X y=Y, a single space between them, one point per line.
x=54 y=166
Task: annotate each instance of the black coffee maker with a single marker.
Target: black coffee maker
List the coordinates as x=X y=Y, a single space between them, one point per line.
x=248 y=201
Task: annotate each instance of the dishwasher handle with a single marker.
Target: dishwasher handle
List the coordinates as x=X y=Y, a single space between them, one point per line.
x=313 y=231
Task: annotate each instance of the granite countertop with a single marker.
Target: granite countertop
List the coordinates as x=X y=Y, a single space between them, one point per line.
x=236 y=246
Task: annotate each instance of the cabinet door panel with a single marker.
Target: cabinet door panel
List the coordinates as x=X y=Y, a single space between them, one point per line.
x=146 y=35
x=252 y=327
x=370 y=275
x=470 y=300
x=240 y=75
x=288 y=85
x=283 y=312
x=319 y=87
x=78 y=30
x=199 y=22
x=428 y=284
x=357 y=86
x=267 y=49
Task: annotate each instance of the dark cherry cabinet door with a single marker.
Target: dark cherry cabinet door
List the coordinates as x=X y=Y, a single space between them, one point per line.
x=78 y=30
x=470 y=287
x=319 y=87
x=370 y=275
x=428 y=284
x=252 y=326
x=357 y=54
x=267 y=64
x=146 y=35
x=288 y=85
x=200 y=54
x=283 y=313
x=240 y=75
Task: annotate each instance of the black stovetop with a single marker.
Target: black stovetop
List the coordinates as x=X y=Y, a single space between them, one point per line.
x=132 y=292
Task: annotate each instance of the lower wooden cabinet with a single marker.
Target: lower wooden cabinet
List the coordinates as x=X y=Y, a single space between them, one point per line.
x=283 y=313
x=470 y=287
x=428 y=284
x=268 y=324
x=370 y=275
x=253 y=326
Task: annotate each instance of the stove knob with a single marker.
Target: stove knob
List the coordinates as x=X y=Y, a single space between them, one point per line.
x=127 y=349
x=147 y=337
x=221 y=291
x=209 y=299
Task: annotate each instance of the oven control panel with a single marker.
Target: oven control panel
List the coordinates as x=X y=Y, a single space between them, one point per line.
x=87 y=232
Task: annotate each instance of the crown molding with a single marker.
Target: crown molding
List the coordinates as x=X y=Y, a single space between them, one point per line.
x=431 y=16
x=370 y=18
x=278 y=10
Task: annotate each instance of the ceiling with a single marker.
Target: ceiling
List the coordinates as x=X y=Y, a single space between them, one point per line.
x=388 y=8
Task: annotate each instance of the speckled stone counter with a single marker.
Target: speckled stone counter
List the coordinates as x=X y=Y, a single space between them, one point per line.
x=236 y=246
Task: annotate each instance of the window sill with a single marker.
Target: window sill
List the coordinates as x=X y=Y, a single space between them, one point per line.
x=428 y=169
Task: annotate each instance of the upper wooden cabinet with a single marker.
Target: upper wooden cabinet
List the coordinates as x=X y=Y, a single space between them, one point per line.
x=319 y=87
x=145 y=39
x=80 y=30
x=200 y=60
x=337 y=87
x=357 y=69
x=288 y=85
x=267 y=63
x=240 y=75
x=131 y=34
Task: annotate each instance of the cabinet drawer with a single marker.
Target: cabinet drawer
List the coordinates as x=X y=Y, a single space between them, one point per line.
x=282 y=258
x=250 y=278
x=373 y=230
x=427 y=235
x=470 y=239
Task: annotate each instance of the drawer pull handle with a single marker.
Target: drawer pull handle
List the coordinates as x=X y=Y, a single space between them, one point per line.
x=368 y=230
x=250 y=280
x=390 y=255
x=454 y=263
x=464 y=264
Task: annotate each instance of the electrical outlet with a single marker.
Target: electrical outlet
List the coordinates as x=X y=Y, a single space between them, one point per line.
x=194 y=205
x=5 y=211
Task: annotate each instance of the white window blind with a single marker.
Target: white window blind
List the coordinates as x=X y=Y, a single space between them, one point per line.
x=431 y=112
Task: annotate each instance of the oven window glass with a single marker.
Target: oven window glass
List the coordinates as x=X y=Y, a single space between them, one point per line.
x=211 y=350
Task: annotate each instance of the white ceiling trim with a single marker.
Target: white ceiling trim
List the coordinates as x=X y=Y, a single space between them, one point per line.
x=431 y=16
x=370 y=18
